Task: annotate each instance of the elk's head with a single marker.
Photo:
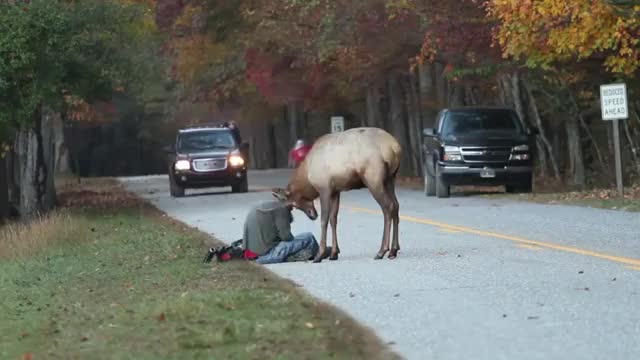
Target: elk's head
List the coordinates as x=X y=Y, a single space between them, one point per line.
x=297 y=201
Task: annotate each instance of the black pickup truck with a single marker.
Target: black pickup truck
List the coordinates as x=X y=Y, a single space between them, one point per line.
x=207 y=156
x=478 y=146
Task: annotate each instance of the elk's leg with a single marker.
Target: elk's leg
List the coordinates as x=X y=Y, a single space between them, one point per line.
x=395 y=217
x=385 y=203
x=325 y=207
x=333 y=219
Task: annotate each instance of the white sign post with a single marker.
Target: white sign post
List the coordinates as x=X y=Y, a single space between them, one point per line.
x=337 y=124
x=614 y=105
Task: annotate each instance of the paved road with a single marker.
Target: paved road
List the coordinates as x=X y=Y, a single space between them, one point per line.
x=475 y=278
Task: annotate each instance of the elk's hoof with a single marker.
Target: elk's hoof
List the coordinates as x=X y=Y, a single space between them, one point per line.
x=333 y=257
x=317 y=260
x=379 y=256
x=393 y=254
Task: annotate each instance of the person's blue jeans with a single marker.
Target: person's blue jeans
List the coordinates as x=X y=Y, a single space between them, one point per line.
x=280 y=252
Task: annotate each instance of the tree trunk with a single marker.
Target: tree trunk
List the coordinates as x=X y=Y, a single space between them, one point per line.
x=469 y=95
x=398 y=123
x=576 y=159
x=4 y=189
x=586 y=128
x=293 y=120
x=282 y=134
x=428 y=96
x=633 y=146
x=62 y=161
x=441 y=85
x=414 y=122
x=543 y=140
x=374 y=115
x=13 y=178
x=457 y=94
x=35 y=150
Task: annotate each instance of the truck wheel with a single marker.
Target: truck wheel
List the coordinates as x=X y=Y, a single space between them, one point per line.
x=174 y=189
x=429 y=184
x=242 y=186
x=443 y=190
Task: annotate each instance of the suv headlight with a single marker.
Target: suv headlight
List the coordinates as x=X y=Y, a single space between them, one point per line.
x=521 y=148
x=236 y=160
x=452 y=153
x=183 y=165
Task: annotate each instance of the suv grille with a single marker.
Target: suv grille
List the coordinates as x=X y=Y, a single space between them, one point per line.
x=486 y=154
x=209 y=164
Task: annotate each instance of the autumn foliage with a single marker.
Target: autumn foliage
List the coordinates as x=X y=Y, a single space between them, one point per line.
x=545 y=32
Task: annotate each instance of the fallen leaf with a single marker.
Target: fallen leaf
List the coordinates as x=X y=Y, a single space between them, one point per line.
x=27 y=356
x=161 y=317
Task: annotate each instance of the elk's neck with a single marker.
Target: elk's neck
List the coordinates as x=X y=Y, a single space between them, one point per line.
x=299 y=183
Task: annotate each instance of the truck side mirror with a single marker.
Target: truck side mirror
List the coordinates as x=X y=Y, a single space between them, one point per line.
x=428 y=132
x=244 y=146
x=168 y=149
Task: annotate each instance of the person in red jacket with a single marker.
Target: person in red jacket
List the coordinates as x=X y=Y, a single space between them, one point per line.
x=298 y=153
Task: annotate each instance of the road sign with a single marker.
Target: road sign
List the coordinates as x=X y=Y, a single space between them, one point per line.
x=613 y=101
x=337 y=124
x=614 y=105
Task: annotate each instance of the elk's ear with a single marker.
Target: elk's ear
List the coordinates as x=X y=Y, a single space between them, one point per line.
x=281 y=194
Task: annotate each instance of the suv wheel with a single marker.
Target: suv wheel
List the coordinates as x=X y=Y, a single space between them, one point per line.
x=525 y=187
x=443 y=190
x=174 y=189
x=242 y=186
x=429 y=183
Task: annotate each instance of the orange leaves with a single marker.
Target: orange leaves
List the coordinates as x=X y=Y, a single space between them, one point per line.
x=547 y=31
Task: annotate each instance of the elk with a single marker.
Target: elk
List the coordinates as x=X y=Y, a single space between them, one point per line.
x=350 y=160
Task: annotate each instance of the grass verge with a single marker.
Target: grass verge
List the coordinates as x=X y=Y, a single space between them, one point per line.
x=110 y=277
x=600 y=199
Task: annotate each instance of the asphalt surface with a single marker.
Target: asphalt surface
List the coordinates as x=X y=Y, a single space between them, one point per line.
x=475 y=278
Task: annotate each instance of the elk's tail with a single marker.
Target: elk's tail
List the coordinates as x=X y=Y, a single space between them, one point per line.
x=393 y=161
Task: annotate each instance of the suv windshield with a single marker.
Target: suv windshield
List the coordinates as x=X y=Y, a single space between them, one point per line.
x=205 y=140
x=477 y=122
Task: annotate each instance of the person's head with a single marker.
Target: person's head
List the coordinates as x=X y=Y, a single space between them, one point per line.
x=294 y=200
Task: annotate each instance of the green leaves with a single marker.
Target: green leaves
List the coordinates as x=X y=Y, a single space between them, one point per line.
x=49 y=48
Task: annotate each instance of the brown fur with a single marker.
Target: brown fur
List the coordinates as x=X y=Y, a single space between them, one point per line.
x=353 y=159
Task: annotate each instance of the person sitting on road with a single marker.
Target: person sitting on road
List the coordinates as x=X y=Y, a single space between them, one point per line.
x=267 y=235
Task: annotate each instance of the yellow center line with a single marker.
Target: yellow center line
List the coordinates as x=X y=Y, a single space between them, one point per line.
x=569 y=249
x=450 y=231
x=530 y=247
